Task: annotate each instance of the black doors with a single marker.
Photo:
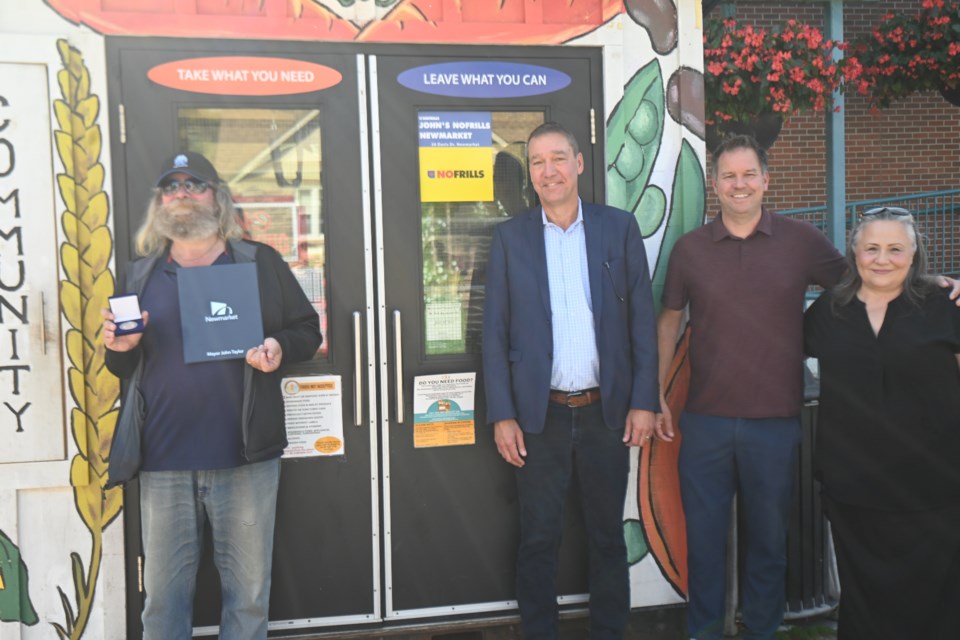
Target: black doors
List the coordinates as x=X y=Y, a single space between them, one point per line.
x=450 y=511
x=294 y=163
x=406 y=523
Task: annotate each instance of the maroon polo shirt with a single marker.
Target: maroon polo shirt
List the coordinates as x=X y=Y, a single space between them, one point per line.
x=746 y=300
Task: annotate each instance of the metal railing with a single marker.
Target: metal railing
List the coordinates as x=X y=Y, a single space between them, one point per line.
x=937 y=215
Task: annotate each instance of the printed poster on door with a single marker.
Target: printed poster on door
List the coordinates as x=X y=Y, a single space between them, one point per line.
x=443 y=410
x=456 y=156
x=313 y=411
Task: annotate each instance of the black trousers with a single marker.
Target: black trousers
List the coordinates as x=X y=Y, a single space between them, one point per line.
x=574 y=441
x=899 y=572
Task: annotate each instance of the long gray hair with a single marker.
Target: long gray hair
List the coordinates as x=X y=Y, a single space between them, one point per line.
x=917 y=285
x=150 y=241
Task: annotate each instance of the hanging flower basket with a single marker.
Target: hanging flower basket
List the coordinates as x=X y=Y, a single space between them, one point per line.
x=752 y=73
x=908 y=53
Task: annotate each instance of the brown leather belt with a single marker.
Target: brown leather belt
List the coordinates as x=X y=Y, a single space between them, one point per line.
x=575 y=399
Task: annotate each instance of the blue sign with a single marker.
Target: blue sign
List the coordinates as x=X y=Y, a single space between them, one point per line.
x=484 y=79
x=455 y=128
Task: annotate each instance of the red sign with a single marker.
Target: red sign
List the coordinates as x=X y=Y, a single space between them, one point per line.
x=244 y=76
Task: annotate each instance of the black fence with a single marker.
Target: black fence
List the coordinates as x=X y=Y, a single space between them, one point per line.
x=937 y=215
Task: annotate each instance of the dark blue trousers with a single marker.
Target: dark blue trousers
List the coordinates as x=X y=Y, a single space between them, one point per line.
x=573 y=441
x=757 y=458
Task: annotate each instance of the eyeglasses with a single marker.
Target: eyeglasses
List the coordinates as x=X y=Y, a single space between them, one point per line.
x=898 y=212
x=190 y=185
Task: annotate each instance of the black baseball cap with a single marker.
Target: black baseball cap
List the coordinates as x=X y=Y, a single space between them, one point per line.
x=192 y=164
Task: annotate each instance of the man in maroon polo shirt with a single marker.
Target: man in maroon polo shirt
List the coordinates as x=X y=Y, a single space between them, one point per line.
x=744 y=276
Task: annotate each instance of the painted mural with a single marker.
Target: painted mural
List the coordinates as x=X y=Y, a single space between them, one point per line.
x=654 y=149
x=88 y=282
x=15 y=605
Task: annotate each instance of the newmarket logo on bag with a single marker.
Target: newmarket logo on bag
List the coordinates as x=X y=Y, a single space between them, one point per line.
x=219 y=312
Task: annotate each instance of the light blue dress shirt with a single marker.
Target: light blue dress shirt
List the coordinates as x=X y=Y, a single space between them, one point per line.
x=576 y=363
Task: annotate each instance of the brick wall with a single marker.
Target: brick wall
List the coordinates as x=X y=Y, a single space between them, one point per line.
x=911 y=147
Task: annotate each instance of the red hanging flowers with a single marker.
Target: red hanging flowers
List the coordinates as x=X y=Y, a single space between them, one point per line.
x=909 y=53
x=750 y=71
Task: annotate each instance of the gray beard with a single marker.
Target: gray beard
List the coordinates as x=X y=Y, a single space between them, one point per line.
x=186 y=220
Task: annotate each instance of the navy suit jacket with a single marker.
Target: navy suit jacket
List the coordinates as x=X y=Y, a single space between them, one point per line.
x=517 y=327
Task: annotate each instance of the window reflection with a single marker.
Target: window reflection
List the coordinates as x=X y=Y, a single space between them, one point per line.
x=456 y=241
x=271 y=159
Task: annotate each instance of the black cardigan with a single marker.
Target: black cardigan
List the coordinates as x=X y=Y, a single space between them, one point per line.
x=888 y=428
x=288 y=317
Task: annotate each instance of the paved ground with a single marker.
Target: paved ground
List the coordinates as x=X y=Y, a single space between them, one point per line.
x=666 y=623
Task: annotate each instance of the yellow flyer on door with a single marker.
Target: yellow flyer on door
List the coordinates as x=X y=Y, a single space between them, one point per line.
x=313 y=411
x=443 y=407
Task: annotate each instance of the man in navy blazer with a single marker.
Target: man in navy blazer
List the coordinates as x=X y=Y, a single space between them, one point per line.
x=570 y=370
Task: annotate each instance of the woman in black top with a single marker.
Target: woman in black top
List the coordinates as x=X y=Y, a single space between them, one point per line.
x=888 y=436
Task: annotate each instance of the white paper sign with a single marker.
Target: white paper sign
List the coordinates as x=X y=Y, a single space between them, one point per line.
x=444 y=321
x=313 y=411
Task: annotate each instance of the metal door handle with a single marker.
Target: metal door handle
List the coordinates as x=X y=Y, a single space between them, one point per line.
x=357 y=373
x=398 y=363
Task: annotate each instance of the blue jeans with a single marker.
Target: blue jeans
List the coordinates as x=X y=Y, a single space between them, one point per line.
x=240 y=504
x=573 y=441
x=757 y=458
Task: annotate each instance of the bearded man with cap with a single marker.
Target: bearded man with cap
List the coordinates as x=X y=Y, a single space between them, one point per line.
x=205 y=438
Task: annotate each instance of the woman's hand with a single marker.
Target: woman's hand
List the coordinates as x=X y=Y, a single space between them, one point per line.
x=114 y=342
